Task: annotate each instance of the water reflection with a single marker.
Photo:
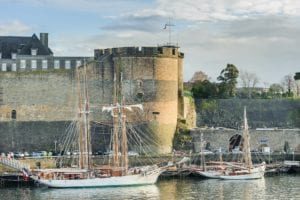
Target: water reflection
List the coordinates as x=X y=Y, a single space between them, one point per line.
x=278 y=187
x=212 y=189
x=119 y=193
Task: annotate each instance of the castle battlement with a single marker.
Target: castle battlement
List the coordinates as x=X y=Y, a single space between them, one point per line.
x=159 y=51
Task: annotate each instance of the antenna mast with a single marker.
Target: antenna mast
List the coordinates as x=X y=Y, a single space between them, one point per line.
x=169 y=25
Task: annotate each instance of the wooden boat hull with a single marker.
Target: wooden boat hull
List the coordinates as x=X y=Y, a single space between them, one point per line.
x=118 y=181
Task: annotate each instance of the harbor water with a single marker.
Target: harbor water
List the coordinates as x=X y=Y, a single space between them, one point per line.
x=275 y=187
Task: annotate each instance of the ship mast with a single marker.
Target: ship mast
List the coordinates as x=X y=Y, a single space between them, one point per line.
x=119 y=128
x=84 y=126
x=246 y=143
x=124 y=140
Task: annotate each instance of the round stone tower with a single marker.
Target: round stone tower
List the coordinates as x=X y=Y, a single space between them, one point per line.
x=148 y=75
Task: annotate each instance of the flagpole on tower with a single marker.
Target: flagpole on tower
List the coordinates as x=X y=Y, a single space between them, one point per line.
x=169 y=25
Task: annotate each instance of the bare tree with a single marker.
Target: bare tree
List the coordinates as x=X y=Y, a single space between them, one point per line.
x=199 y=76
x=288 y=83
x=249 y=81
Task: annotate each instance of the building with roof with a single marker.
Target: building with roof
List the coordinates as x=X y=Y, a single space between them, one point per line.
x=19 y=53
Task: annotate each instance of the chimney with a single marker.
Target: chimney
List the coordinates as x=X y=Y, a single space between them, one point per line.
x=44 y=39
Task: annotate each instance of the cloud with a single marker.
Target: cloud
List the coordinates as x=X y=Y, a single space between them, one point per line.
x=150 y=24
x=260 y=35
x=96 y=6
x=214 y=10
x=14 y=27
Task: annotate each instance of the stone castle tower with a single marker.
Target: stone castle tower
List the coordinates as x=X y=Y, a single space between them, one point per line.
x=151 y=76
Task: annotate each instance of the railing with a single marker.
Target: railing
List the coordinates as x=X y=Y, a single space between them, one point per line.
x=14 y=163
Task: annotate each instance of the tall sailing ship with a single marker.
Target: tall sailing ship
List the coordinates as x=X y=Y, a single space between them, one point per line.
x=118 y=173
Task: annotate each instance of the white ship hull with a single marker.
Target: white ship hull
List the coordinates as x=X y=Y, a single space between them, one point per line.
x=210 y=174
x=255 y=173
x=117 y=181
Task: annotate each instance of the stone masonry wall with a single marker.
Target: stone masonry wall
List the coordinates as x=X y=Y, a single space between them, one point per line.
x=37 y=96
x=36 y=107
x=275 y=139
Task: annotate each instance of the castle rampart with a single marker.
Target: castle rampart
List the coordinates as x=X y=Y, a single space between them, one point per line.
x=39 y=104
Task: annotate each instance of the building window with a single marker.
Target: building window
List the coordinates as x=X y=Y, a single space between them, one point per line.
x=34 y=52
x=13 y=56
x=173 y=51
x=23 y=64
x=13 y=67
x=33 y=64
x=160 y=50
x=4 y=67
x=78 y=63
x=68 y=64
x=14 y=114
x=56 y=64
x=0 y=55
x=45 y=64
x=139 y=84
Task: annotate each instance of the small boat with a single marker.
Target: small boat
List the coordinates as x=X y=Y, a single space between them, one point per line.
x=211 y=174
x=247 y=170
x=209 y=171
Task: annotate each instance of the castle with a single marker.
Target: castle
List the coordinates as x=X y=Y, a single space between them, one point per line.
x=38 y=96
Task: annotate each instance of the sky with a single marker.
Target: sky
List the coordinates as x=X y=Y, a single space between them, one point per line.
x=257 y=36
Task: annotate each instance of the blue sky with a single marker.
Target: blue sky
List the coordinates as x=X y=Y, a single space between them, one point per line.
x=258 y=36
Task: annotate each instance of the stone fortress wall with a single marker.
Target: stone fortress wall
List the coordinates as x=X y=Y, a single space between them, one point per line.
x=36 y=107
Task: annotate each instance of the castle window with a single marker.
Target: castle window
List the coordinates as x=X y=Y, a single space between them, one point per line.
x=68 y=64
x=78 y=63
x=13 y=67
x=33 y=64
x=56 y=64
x=173 y=51
x=140 y=84
x=160 y=50
x=14 y=114
x=23 y=64
x=44 y=64
x=13 y=55
x=4 y=67
x=34 y=52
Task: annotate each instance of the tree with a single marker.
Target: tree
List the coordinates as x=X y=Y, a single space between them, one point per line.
x=199 y=76
x=205 y=89
x=297 y=82
x=288 y=84
x=228 y=78
x=249 y=81
x=276 y=90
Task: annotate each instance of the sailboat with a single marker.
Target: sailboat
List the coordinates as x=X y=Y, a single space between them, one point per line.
x=209 y=171
x=85 y=175
x=247 y=170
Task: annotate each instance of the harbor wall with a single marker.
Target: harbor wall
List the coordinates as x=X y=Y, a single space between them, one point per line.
x=275 y=139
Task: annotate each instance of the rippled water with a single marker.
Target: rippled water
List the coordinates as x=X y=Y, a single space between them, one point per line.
x=277 y=187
